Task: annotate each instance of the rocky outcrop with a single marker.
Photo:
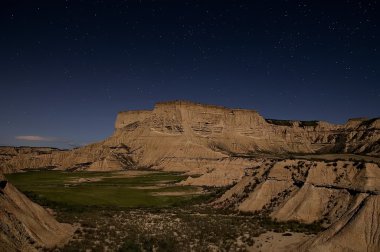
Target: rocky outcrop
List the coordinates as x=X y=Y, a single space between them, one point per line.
x=185 y=136
x=341 y=195
x=25 y=226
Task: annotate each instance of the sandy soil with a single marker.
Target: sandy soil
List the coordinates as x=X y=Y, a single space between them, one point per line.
x=277 y=242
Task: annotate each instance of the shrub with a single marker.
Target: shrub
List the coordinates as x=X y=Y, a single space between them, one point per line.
x=279 y=122
x=308 y=123
x=360 y=166
x=129 y=246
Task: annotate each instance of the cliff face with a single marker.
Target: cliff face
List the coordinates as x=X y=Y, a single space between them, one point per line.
x=243 y=131
x=182 y=135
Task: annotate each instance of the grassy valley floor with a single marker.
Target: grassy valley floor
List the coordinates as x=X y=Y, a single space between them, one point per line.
x=100 y=189
x=145 y=211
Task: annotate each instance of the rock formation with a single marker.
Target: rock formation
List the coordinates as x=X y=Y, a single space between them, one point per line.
x=241 y=149
x=25 y=226
x=341 y=195
x=192 y=137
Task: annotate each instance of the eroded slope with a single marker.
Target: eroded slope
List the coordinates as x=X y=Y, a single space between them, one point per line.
x=25 y=225
x=341 y=195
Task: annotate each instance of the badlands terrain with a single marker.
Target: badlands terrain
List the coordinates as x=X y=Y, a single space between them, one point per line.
x=194 y=177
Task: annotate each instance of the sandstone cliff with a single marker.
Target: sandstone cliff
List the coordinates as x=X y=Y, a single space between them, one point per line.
x=189 y=136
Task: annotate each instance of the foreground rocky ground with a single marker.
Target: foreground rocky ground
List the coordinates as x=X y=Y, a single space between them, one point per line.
x=177 y=229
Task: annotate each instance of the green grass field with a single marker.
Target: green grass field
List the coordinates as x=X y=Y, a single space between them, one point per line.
x=56 y=188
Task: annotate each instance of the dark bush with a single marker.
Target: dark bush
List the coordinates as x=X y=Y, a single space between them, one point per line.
x=129 y=246
x=360 y=166
x=279 y=122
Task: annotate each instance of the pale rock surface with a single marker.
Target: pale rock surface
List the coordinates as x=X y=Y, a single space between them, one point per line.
x=25 y=225
x=311 y=203
x=223 y=173
x=276 y=242
x=358 y=230
x=265 y=194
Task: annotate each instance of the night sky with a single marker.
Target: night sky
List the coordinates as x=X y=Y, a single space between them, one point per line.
x=68 y=67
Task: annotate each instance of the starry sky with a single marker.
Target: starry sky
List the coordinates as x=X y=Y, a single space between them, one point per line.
x=68 y=66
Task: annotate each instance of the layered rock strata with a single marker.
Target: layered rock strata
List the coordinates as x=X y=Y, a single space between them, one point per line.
x=189 y=137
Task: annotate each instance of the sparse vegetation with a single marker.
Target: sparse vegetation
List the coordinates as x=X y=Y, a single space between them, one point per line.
x=308 y=123
x=368 y=122
x=279 y=122
x=290 y=123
